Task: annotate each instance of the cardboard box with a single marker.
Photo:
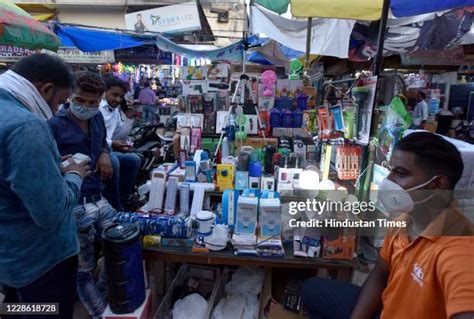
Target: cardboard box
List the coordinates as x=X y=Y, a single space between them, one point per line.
x=273 y=293
x=143 y=312
x=342 y=247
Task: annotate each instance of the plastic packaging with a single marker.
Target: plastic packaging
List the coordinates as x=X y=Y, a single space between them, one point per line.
x=275 y=117
x=246 y=280
x=241 y=301
x=192 y=306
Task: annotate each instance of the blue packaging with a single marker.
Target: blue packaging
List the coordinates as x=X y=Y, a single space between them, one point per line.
x=297 y=119
x=163 y=225
x=287 y=119
x=229 y=207
x=276 y=117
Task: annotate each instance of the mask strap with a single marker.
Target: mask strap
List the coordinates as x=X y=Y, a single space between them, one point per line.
x=422 y=185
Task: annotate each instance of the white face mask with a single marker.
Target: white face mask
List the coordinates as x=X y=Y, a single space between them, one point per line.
x=395 y=199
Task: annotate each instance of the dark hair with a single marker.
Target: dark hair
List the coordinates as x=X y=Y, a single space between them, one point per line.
x=45 y=68
x=147 y=84
x=113 y=81
x=435 y=154
x=139 y=15
x=422 y=94
x=90 y=82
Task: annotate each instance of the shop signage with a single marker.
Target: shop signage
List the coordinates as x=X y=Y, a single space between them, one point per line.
x=70 y=55
x=10 y=53
x=170 y=19
x=148 y=54
x=76 y=56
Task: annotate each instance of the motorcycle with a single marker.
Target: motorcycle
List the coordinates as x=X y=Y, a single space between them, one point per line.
x=465 y=132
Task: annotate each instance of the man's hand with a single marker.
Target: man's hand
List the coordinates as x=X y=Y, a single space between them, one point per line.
x=83 y=169
x=121 y=146
x=369 y=302
x=104 y=166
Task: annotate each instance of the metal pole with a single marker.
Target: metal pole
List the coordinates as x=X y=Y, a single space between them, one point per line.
x=308 y=42
x=369 y=154
x=381 y=38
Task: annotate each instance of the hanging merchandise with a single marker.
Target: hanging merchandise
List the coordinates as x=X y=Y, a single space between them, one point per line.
x=275 y=118
x=195 y=104
x=196 y=139
x=310 y=121
x=241 y=122
x=364 y=97
x=269 y=80
x=287 y=118
x=266 y=124
x=302 y=100
x=324 y=123
x=283 y=103
x=397 y=119
x=336 y=111
x=296 y=66
x=349 y=116
x=348 y=161
x=297 y=118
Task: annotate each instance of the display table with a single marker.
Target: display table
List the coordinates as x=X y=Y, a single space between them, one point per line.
x=339 y=269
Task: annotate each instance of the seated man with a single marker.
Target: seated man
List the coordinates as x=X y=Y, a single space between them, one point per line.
x=79 y=128
x=424 y=270
x=126 y=165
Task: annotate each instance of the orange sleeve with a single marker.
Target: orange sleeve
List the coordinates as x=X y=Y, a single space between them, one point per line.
x=455 y=270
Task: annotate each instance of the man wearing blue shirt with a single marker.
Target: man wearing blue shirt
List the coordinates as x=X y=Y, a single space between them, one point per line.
x=38 y=241
x=79 y=127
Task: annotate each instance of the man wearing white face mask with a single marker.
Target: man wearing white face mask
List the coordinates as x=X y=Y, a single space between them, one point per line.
x=79 y=128
x=426 y=269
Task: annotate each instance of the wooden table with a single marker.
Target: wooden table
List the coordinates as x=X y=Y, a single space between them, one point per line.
x=339 y=269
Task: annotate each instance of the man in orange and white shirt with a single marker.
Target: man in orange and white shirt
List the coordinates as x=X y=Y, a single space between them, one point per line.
x=425 y=270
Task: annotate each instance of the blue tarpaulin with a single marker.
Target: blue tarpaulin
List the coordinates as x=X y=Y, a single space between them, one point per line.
x=92 y=40
x=406 y=8
x=277 y=54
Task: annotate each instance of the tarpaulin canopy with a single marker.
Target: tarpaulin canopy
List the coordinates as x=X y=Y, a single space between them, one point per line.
x=428 y=32
x=405 y=8
x=232 y=52
x=339 y=9
x=274 y=53
x=92 y=40
x=369 y=10
x=329 y=37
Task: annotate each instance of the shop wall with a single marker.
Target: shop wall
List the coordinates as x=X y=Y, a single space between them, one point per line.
x=235 y=25
x=106 y=17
